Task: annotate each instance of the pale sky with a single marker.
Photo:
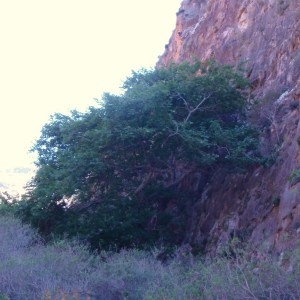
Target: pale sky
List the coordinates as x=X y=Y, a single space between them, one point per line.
x=58 y=55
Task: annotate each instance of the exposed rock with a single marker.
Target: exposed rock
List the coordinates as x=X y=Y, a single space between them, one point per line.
x=263 y=205
x=263 y=34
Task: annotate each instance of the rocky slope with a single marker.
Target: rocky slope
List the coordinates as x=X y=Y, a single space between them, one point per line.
x=263 y=205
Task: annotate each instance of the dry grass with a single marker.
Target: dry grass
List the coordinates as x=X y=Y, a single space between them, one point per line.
x=66 y=270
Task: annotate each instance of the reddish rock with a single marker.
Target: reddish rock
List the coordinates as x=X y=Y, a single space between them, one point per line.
x=263 y=205
x=263 y=34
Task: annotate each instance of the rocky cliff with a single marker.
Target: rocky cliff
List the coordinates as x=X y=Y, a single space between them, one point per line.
x=263 y=205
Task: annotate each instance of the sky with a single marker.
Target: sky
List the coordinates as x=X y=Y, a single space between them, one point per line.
x=59 y=55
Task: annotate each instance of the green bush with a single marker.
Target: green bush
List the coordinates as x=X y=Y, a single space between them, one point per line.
x=107 y=176
x=7 y=204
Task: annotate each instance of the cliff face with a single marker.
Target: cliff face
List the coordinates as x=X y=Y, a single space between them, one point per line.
x=263 y=34
x=263 y=205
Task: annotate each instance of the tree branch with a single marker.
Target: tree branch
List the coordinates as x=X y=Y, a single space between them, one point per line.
x=190 y=109
x=196 y=108
x=144 y=183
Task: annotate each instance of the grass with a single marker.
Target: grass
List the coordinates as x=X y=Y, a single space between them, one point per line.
x=29 y=269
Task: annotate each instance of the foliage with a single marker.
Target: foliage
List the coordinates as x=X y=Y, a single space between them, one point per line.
x=7 y=204
x=29 y=269
x=295 y=176
x=109 y=175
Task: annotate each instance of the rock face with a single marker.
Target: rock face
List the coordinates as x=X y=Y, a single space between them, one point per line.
x=263 y=34
x=263 y=205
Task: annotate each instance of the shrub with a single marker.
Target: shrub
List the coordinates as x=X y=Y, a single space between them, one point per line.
x=107 y=175
x=30 y=270
x=7 y=204
x=67 y=270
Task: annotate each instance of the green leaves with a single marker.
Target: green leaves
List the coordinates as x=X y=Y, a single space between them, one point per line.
x=105 y=172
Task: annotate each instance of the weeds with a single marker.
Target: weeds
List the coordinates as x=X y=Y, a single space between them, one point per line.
x=67 y=270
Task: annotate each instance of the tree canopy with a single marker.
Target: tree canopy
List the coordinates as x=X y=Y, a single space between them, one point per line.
x=108 y=175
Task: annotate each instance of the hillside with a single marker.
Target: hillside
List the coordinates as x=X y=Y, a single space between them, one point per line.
x=192 y=153
x=185 y=186
x=261 y=206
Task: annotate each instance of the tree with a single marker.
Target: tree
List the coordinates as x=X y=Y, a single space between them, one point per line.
x=108 y=175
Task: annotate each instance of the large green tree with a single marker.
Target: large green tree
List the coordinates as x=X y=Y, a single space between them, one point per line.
x=108 y=175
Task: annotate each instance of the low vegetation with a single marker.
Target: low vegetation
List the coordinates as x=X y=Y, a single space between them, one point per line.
x=31 y=269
